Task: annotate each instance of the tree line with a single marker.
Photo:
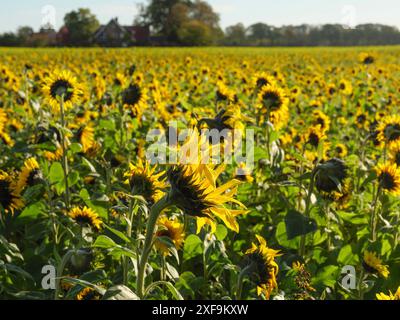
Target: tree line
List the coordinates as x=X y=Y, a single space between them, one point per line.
x=195 y=23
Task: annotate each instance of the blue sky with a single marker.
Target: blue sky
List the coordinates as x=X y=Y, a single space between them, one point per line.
x=275 y=12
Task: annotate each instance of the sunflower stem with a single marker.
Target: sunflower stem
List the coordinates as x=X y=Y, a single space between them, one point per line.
x=64 y=153
x=155 y=212
x=302 y=249
x=374 y=220
x=239 y=286
x=60 y=271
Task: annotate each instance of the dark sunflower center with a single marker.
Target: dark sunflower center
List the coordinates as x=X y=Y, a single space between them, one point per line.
x=5 y=194
x=368 y=60
x=261 y=82
x=132 y=95
x=164 y=233
x=272 y=101
x=84 y=220
x=313 y=139
x=392 y=132
x=61 y=88
x=387 y=181
x=361 y=118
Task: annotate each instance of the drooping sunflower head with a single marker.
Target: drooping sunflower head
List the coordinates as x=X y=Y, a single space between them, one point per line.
x=330 y=176
x=264 y=268
x=224 y=93
x=61 y=85
x=10 y=197
x=171 y=229
x=30 y=174
x=389 y=177
x=372 y=264
x=86 y=216
x=194 y=191
x=388 y=130
x=143 y=180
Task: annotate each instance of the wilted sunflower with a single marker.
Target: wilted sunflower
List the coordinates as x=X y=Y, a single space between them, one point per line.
x=143 y=181
x=86 y=216
x=29 y=175
x=331 y=179
x=390 y=296
x=388 y=130
x=389 y=177
x=173 y=230
x=261 y=261
x=372 y=264
x=61 y=84
x=10 y=198
x=274 y=102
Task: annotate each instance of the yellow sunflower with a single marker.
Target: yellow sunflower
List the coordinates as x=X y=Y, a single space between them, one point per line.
x=389 y=130
x=373 y=264
x=86 y=216
x=321 y=119
x=264 y=267
x=243 y=173
x=88 y=294
x=390 y=296
x=274 y=102
x=143 y=181
x=29 y=173
x=61 y=85
x=10 y=197
x=134 y=98
x=173 y=230
x=85 y=136
x=389 y=177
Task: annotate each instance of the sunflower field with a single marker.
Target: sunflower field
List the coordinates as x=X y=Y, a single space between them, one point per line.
x=86 y=214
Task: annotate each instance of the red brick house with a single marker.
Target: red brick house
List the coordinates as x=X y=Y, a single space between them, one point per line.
x=115 y=35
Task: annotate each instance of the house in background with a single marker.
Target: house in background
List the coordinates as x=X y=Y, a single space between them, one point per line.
x=115 y=35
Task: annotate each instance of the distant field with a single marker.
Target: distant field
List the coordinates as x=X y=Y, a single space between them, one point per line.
x=320 y=192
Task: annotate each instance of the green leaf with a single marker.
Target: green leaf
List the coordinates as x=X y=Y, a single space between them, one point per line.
x=221 y=232
x=31 y=212
x=192 y=248
x=120 y=292
x=298 y=224
x=118 y=233
x=104 y=242
x=94 y=205
x=56 y=177
x=346 y=255
x=73 y=178
x=75 y=147
x=327 y=276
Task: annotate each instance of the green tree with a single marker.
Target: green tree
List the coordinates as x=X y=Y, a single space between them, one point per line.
x=81 y=25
